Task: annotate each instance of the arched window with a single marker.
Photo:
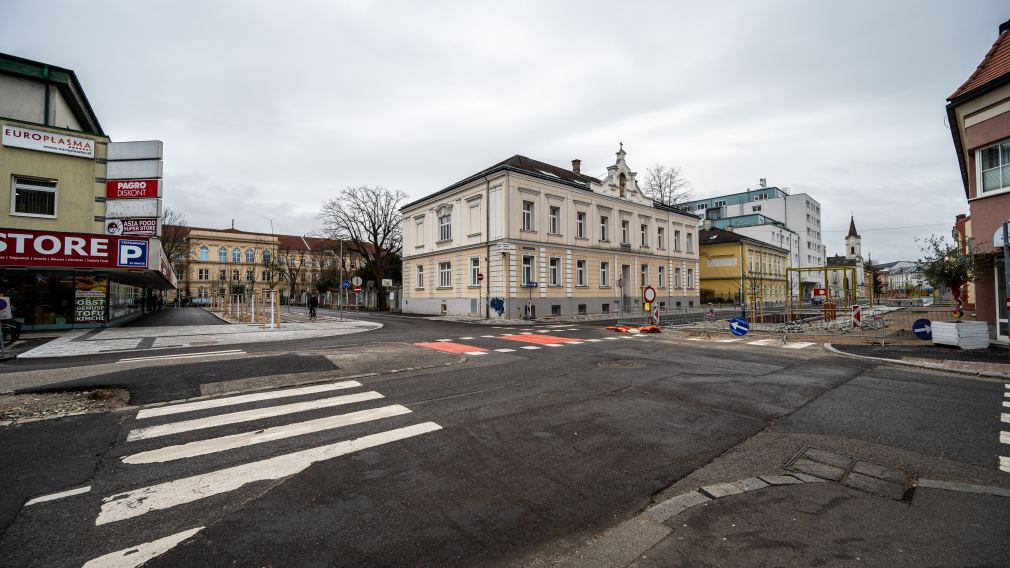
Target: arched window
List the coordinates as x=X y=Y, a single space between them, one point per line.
x=236 y=255
x=222 y=254
x=250 y=255
x=204 y=253
x=266 y=256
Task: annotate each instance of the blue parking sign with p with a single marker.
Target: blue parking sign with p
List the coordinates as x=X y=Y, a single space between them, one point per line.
x=132 y=253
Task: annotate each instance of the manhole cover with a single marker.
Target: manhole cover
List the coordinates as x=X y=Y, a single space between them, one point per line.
x=619 y=363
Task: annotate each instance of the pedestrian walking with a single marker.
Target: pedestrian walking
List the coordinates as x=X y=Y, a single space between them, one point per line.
x=313 y=304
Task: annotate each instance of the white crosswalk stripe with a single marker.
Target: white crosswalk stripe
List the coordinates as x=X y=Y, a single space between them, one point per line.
x=246 y=416
x=137 y=555
x=242 y=399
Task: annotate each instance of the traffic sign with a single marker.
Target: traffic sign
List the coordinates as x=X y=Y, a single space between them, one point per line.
x=649 y=294
x=5 y=308
x=345 y=284
x=738 y=326
x=356 y=281
x=480 y=277
x=923 y=328
x=655 y=315
x=857 y=316
x=530 y=285
x=357 y=289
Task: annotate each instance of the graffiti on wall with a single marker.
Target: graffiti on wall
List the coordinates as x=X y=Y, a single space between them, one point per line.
x=498 y=305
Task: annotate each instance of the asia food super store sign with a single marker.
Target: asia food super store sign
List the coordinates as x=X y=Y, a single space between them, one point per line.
x=71 y=250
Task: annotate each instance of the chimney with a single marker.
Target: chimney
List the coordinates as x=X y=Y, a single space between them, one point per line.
x=577 y=166
x=707 y=224
x=1004 y=27
x=763 y=182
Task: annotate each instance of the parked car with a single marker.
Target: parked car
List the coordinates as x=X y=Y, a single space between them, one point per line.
x=11 y=330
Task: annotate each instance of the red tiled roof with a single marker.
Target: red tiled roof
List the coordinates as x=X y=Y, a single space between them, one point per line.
x=995 y=64
x=286 y=242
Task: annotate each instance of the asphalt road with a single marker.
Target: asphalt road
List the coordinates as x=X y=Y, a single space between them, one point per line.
x=498 y=460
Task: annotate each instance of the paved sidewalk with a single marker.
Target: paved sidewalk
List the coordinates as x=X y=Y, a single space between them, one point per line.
x=992 y=362
x=172 y=316
x=121 y=339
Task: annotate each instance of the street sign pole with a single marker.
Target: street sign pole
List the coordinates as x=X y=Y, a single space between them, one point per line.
x=1006 y=264
x=340 y=298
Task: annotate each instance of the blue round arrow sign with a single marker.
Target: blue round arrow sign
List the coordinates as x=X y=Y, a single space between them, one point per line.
x=346 y=284
x=738 y=326
x=923 y=328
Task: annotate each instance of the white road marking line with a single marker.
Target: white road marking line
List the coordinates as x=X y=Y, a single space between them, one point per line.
x=468 y=337
x=526 y=333
x=210 y=446
x=762 y=342
x=691 y=338
x=504 y=334
x=530 y=347
x=186 y=490
x=475 y=352
x=623 y=337
x=184 y=356
x=1004 y=437
x=1004 y=464
x=611 y=338
x=1005 y=417
x=443 y=340
x=594 y=340
x=505 y=350
x=725 y=340
x=246 y=416
x=576 y=342
x=242 y=399
x=57 y=495
x=137 y=555
x=1006 y=403
x=553 y=344
x=543 y=331
x=488 y=336
x=798 y=345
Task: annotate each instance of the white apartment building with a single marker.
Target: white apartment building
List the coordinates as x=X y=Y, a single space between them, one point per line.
x=774 y=211
x=525 y=238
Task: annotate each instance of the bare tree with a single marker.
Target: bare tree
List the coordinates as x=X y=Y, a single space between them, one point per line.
x=666 y=185
x=174 y=236
x=368 y=219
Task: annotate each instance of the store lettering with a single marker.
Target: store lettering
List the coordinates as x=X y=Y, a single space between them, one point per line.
x=42 y=137
x=51 y=245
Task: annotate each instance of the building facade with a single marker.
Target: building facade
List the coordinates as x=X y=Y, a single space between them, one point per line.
x=58 y=266
x=525 y=238
x=739 y=268
x=979 y=116
x=769 y=210
x=848 y=277
x=220 y=262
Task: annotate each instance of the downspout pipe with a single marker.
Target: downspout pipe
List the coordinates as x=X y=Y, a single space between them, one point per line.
x=487 y=252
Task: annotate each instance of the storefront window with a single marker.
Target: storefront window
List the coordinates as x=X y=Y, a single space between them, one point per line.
x=124 y=300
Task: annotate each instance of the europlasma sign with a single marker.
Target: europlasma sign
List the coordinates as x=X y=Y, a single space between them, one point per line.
x=48 y=142
x=71 y=250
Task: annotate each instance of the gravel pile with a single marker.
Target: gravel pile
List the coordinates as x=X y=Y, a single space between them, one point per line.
x=18 y=407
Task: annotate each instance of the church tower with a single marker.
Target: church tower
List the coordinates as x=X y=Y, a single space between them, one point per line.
x=853 y=242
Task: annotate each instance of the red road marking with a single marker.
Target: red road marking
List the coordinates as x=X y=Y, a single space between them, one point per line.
x=540 y=339
x=450 y=347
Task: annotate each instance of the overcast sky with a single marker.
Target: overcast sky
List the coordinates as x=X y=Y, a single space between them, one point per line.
x=269 y=108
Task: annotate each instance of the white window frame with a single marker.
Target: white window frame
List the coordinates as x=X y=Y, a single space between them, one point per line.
x=203 y=274
x=527 y=268
x=222 y=254
x=604 y=274
x=26 y=183
x=204 y=254
x=690 y=279
x=661 y=238
x=645 y=234
x=580 y=224
x=554 y=270
x=604 y=228
x=625 y=230
x=554 y=227
x=580 y=273
x=445 y=227
x=445 y=274
x=1002 y=169
x=676 y=241
x=529 y=208
x=644 y=269
x=676 y=277
x=420 y=277
x=474 y=270
x=689 y=237
x=661 y=276
x=236 y=255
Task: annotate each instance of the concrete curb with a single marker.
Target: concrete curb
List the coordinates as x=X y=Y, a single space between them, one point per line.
x=623 y=544
x=970 y=372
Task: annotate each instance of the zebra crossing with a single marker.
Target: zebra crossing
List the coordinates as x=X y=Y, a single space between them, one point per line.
x=1004 y=436
x=756 y=342
x=197 y=441
x=531 y=340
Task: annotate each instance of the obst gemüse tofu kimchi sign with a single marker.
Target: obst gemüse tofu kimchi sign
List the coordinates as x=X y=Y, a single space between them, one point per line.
x=71 y=250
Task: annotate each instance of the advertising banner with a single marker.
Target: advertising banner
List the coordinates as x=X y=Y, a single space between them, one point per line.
x=48 y=142
x=71 y=250
x=124 y=208
x=90 y=299
x=136 y=227
x=132 y=188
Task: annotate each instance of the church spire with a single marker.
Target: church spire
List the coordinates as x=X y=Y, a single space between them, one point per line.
x=852 y=227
